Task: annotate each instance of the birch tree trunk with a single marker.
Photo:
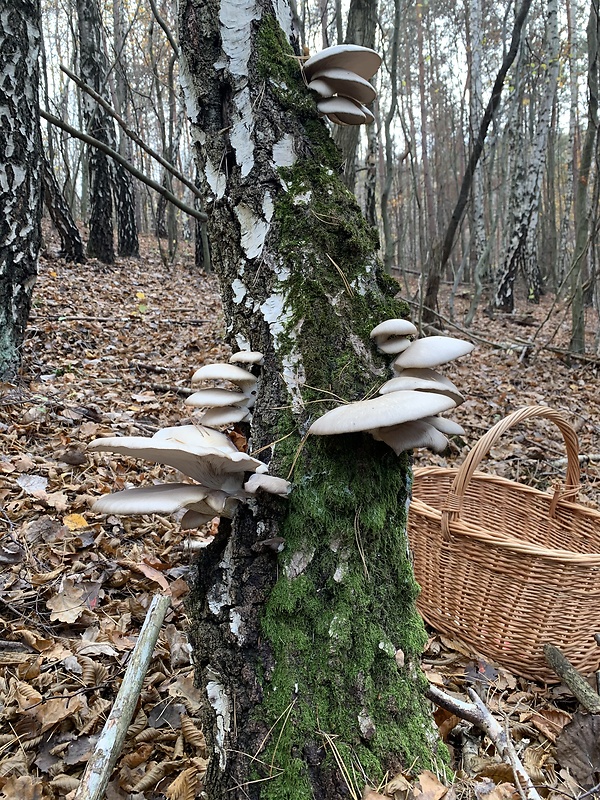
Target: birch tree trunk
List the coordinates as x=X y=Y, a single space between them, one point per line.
x=70 y=239
x=581 y=190
x=522 y=246
x=20 y=185
x=100 y=239
x=298 y=652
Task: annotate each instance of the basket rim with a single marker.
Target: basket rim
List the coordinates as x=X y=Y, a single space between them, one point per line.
x=461 y=528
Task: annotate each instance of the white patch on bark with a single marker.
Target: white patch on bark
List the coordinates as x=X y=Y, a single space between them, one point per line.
x=236 y=17
x=236 y=625
x=220 y=594
x=283 y=152
x=298 y=563
x=284 y=16
x=294 y=377
x=217 y=697
x=253 y=229
x=239 y=291
x=303 y=199
x=215 y=179
x=366 y=725
x=242 y=342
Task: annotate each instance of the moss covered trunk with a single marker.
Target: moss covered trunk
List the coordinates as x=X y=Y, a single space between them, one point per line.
x=308 y=654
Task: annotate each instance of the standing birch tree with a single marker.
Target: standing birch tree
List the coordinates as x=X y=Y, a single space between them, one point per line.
x=521 y=249
x=20 y=182
x=308 y=657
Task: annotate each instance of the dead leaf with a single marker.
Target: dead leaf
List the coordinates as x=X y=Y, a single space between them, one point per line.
x=67 y=605
x=34 y=485
x=428 y=787
x=75 y=522
x=487 y=790
x=578 y=747
x=24 y=787
x=550 y=722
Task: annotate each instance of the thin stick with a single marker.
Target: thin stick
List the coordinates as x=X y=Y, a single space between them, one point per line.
x=479 y=715
x=581 y=689
x=97 y=773
x=124 y=163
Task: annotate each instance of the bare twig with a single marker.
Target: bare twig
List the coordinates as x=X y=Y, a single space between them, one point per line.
x=124 y=163
x=478 y=714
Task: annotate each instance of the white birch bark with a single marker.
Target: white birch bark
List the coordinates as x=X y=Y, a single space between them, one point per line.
x=20 y=181
x=522 y=245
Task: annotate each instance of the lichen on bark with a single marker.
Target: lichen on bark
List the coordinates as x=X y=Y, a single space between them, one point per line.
x=297 y=651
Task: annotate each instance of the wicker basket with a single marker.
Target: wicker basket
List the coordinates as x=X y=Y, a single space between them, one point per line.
x=507 y=568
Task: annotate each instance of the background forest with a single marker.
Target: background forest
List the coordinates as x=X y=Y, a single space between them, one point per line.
x=480 y=174
x=530 y=223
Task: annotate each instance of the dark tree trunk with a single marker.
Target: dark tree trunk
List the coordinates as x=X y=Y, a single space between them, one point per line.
x=60 y=214
x=20 y=185
x=296 y=651
x=94 y=73
x=127 y=235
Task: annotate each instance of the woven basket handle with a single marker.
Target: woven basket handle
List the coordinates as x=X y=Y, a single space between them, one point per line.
x=453 y=504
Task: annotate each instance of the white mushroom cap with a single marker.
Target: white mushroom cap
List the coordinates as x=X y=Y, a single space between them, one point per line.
x=405 y=382
x=388 y=409
x=368 y=114
x=247 y=357
x=225 y=372
x=343 y=109
x=164 y=498
x=361 y=60
x=346 y=83
x=218 y=464
x=167 y=498
x=412 y=434
x=322 y=88
x=445 y=425
x=224 y=416
x=390 y=335
x=432 y=351
x=268 y=483
x=216 y=398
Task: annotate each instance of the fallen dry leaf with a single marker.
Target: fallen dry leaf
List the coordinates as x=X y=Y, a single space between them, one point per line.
x=428 y=787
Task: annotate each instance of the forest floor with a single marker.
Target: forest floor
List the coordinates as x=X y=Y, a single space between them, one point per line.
x=110 y=351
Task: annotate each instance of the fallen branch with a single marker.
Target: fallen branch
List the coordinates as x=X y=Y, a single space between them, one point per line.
x=124 y=163
x=478 y=714
x=98 y=770
x=581 y=689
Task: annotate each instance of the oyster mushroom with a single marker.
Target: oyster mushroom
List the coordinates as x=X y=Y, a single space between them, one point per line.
x=432 y=351
x=381 y=412
x=391 y=336
x=207 y=456
x=352 y=57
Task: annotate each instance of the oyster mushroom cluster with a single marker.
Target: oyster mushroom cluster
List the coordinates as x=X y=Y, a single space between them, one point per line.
x=407 y=412
x=205 y=455
x=340 y=76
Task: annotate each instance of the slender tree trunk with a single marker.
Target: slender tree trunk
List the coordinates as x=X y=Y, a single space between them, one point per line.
x=60 y=213
x=362 y=24
x=296 y=651
x=435 y=273
x=100 y=241
x=522 y=247
x=20 y=191
x=581 y=210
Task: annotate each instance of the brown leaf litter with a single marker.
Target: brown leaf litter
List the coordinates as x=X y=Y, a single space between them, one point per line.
x=110 y=351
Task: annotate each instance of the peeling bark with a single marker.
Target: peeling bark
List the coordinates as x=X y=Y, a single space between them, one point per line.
x=295 y=648
x=20 y=190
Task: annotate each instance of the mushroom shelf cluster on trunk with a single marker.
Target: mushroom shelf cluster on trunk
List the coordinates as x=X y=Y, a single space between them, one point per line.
x=206 y=455
x=340 y=76
x=406 y=413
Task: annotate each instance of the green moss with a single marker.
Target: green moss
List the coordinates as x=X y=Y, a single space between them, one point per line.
x=277 y=63
x=337 y=616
